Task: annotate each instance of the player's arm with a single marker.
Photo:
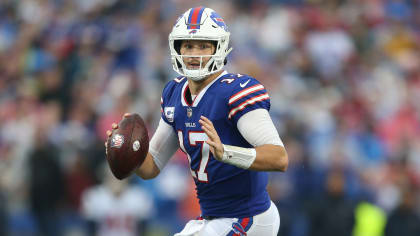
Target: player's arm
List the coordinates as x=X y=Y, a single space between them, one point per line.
x=257 y=128
x=270 y=157
x=162 y=146
x=148 y=170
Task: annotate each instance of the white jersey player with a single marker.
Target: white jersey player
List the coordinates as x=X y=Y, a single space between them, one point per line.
x=116 y=208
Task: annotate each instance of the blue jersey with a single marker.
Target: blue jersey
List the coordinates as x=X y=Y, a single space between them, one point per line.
x=223 y=190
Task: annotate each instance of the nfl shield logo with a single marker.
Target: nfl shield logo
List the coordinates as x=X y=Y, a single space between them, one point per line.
x=189 y=112
x=117 y=140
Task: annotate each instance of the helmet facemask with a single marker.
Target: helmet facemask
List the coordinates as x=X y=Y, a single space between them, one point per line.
x=213 y=65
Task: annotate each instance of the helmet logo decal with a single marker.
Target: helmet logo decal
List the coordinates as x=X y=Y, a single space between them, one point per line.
x=193 y=31
x=218 y=20
x=194 y=18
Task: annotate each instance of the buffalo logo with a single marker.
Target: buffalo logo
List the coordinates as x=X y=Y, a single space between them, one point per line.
x=117 y=141
x=238 y=229
x=218 y=20
x=193 y=31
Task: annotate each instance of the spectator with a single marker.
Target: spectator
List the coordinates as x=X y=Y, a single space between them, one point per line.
x=404 y=220
x=116 y=208
x=333 y=213
x=46 y=186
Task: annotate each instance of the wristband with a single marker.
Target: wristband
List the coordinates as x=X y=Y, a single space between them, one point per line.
x=238 y=156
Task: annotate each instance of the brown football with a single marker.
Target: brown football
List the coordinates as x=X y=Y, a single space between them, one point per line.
x=128 y=146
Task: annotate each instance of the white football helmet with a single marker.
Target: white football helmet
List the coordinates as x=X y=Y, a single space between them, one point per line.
x=199 y=23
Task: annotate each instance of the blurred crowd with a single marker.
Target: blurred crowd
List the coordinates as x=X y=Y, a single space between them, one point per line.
x=343 y=78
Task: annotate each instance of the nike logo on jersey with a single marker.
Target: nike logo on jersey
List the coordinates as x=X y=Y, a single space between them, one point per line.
x=244 y=84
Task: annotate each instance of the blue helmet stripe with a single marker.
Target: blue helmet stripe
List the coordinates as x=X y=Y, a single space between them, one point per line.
x=189 y=17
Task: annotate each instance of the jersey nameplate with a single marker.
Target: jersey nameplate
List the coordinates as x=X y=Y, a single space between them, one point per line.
x=190 y=124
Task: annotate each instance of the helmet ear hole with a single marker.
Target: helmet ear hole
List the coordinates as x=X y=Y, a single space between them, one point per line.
x=177 y=46
x=178 y=64
x=216 y=45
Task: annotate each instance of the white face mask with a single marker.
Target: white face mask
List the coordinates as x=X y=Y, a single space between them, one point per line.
x=202 y=71
x=215 y=64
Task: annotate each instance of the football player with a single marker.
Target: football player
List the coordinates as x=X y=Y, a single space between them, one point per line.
x=220 y=120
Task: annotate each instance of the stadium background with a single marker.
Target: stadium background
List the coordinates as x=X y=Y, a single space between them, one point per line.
x=344 y=80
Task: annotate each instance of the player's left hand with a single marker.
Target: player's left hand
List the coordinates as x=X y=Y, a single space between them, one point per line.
x=216 y=146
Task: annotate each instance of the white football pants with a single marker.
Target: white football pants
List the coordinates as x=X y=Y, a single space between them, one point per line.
x=264 y=224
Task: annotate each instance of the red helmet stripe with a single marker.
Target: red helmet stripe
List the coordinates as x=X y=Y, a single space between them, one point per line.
x=195 y=17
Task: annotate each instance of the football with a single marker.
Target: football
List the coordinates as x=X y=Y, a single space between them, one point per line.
x=128 y=146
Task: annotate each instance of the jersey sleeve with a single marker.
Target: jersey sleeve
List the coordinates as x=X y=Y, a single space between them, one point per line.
x=248 y=94
x=167 y=111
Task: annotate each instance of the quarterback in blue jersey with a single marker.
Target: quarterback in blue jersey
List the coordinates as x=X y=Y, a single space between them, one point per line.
x=221 y=122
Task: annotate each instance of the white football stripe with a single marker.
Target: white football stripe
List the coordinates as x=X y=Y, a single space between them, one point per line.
x=245 y=92
x=248 y=102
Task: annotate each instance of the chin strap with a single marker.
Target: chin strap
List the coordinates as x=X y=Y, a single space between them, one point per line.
x=238 y=156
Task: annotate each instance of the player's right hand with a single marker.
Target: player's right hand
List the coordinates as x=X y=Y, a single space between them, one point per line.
x=114 y=126
x=216 y=145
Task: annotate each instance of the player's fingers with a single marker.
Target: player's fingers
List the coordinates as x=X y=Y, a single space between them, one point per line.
x=208 y=125
x=210 y=133
x=108 y=133
x=203 y=123
x=211 y=143
x=211 y=128
x=206 y=130
x=216 y=149
x=114 y=126
x=206 y=119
